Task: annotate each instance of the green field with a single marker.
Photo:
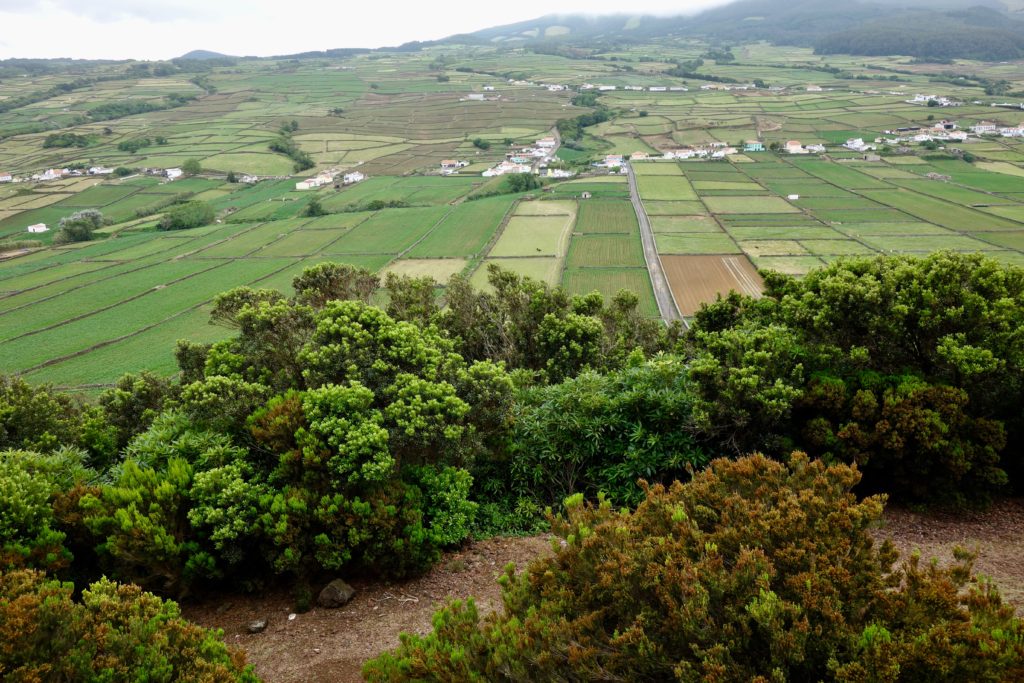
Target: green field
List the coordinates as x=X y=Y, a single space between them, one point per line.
x=82 y=314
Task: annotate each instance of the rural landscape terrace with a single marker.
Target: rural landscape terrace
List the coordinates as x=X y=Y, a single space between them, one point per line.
x=81 y=314
x=402 y=315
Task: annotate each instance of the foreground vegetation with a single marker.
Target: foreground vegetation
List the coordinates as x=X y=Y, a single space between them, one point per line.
x=331 y=435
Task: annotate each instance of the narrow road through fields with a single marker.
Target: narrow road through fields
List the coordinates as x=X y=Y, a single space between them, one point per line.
x=662 y=292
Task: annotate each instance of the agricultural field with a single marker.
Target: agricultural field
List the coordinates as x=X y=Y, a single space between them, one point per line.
x=80 y=314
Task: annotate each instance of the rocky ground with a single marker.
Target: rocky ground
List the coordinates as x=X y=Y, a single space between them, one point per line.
x=331 y=644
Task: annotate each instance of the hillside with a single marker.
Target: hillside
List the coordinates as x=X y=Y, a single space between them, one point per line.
x=949 y=29
x=204 y=54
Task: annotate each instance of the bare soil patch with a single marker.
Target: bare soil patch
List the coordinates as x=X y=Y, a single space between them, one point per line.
x=698 y=279
x=995 y=534
x=331 y=644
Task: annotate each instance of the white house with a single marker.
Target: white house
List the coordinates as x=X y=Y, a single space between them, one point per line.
x=793 y=197
x=605 y=88
x=173 y=173
x=506 y=167
x=546 y=143
x=249 y=179
x=678 y=88
x=815 y=149
x=983 y=127
x=559 y=173
x=100 y=170
x=452 y=164
x=857 y=145
x=634 y=87
x=639 y=156
x=475 y=96
x=613 y=160
x=814 y=88
x=1012 y=132
x=353 y=178
x=307 y=184
x=38 y=228
x=6 y=177
x=489 y=88
x=658 y=88
x=794 y=147
x=53 y=174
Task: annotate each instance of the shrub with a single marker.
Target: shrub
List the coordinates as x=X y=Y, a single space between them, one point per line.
x=188 y=215
x=117 y=633
x=28 y=537
x=78 y=227
x=754 y=571
x=603 y=433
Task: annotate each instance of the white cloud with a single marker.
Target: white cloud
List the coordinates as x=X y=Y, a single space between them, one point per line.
x=120 y=29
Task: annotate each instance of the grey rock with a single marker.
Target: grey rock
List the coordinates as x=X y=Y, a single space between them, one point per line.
x=336 y=594
x=258 y=626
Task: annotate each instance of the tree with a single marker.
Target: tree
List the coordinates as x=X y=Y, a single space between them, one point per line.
x=334 y=282
x=604 y=432
x=314 y=208
x=192 y=167
x=755 y=571
x=480 y=143
x=523 y=182
x=78 y=227
x=232 y=178
x=192 y=214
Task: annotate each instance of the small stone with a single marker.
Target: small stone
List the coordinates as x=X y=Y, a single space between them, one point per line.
x=258 y=626
x=291 y=617
x=336 y=594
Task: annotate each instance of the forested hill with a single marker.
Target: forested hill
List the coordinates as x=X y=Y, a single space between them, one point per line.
x=945 y=29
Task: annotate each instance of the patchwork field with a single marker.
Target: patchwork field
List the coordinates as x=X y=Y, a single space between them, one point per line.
x=81 y=314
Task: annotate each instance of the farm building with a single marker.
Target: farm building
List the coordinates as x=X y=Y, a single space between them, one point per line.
x=6 y=177
x=353 y=178
x=506 y=167
x=100 y=170
x=475 y=96
x=173 y=173
x=38 y=228
x=753 y=146
x=794 y=147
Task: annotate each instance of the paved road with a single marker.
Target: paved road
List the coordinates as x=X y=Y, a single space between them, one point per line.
x=662 y=292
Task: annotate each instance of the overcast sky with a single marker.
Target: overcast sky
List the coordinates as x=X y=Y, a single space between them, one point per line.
x=148 y=29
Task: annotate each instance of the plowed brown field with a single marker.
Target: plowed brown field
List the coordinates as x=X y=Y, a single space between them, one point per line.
x=698 y=279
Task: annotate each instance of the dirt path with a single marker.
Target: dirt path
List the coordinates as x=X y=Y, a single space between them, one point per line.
x=996 y=534
x=331 y=645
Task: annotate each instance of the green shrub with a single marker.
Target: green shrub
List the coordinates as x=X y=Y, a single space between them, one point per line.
x=603 y=433
x=28 y=537
x=188 y=215
x=753 y=571
x=117 y=633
